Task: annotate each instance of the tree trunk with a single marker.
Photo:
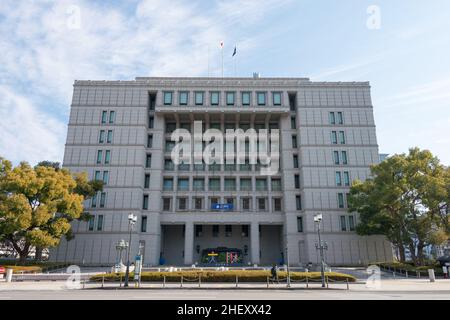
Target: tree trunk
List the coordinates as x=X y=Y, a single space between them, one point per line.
x=23 y=252
x=38 y=254
x=401 y=252
x=420 y=257
x=412 y=249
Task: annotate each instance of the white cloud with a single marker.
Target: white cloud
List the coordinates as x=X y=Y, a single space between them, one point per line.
x=42 y=56
x=27 y=133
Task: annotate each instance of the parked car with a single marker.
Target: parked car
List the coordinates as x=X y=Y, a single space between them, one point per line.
x=445 y=258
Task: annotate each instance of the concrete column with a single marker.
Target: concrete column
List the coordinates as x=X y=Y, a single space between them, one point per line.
x=254 y=242
x=189 y=243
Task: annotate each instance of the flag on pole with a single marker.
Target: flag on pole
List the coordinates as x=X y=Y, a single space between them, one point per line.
x=221 y=44
x=234 y=52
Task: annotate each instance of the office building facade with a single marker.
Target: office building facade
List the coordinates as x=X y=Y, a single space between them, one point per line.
x=216 y=214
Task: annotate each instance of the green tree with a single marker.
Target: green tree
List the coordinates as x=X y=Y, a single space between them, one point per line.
x=37 y=204
x=406 y=200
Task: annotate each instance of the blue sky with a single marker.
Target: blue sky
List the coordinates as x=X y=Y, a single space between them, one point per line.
x=46 y=45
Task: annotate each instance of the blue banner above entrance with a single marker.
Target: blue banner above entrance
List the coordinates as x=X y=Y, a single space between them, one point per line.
x=222 y=206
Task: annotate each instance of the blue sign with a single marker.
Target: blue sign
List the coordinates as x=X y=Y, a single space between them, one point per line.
x=222 y=206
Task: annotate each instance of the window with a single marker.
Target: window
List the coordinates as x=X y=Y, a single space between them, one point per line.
x=213 y=201
x=102 y=199
x=94 y=200
x=230 y=98
x=297 y=181
x=228 y=230
x=261 y=98
x=293 y=123
x=168 y=165
x=184 y=166
x=351 y=223
x=214 y=125
x=245 y=230
x=336 y=157
x=230 y=184
x=168 y=184
x=295 y=160
x=148 y=161
x=276 y=98
x=215 y=98
x=245 y=98
x=294 y=141
x=91 y=223
x=149 y=141
x=166 y=204
x=101 y=138
x=167 y=97
x=343 y=223
x=97 y=175
x=169 y=146
x=341 y=137
x=100 y=222
x=340 y=119
x=261 y=185
x=199 y=166
x=144 y=224
x=185 y=125
x=230 y=201
x=230 y=167
x=107 y=156
x=338 y=179
x=145 y=202
x=151 y=100
x=147 y=181
x=112 y=116
x=105 y=177
x=344 y=157
x=332 y=118
x=99 y=156
x=346 y=179
x=215 y=231
x=109 y=136
x=198 y=203
x=199 y=98
x=198 y=230
x=183 y=184
x=299 y=224
x=276 y=185
x=246 y=204
x=341 y=200
x=298 y=202
x=170 y=127
x=182 y=203
x=214 y=184
x=262 y=204
x=246 y=184
x=277 y=204
x=199 y=184
x=151 y=121
x=104 y=116
x=333 y=137
x=184 y=98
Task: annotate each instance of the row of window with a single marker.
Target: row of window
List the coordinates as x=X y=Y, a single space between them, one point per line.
x=214 y=98
x=108 y=116
x=230 y=184
x=172 y=126
x=336 y=118
x=340 y=158
x=170 y=166
x=102 y=177
x=105 y=136
x=339 y=179
x=347 y=223
x=198 y=203
x=103 y=157
x=335 y=135
x=101 y=202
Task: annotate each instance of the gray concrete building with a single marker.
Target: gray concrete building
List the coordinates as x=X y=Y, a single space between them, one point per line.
x=119 y=132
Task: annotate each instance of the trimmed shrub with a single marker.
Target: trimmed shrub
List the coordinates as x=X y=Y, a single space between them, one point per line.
x=224 y=276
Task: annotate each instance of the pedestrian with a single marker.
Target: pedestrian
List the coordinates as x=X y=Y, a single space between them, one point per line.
x=274 y=272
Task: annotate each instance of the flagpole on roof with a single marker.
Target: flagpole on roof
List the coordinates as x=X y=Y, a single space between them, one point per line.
x=221 y=48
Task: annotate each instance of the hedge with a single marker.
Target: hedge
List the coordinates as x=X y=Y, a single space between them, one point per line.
x=224 y=276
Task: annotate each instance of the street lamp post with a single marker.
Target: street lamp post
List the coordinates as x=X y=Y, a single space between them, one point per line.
x=131 y=222
x=320 y=246
x=287 y=268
